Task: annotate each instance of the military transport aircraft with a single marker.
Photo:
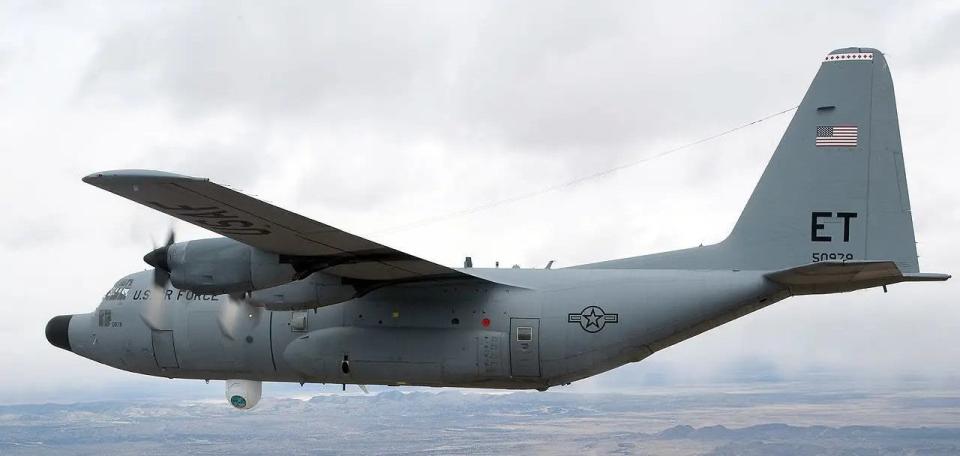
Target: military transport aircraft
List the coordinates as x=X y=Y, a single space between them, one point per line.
x=280 y=297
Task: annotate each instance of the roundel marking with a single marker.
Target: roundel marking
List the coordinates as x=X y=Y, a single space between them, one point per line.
x=592 y=318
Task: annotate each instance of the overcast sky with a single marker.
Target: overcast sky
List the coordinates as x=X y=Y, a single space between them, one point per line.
x=377 y=116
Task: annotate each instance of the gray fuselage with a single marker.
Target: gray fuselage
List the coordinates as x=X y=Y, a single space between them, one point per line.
x=553 y=327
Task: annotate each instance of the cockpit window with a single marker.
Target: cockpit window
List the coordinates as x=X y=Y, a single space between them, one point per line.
x=119 y=291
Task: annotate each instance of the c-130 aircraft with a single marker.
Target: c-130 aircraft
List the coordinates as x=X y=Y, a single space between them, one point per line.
x=284 y=298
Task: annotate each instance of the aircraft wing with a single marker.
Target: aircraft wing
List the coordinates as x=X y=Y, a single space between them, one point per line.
x=267 y=227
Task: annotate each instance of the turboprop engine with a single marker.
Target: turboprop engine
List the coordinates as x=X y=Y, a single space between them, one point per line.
x=244 y=394
x=220 y=266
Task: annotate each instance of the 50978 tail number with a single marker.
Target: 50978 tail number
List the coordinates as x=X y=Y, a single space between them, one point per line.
x=831 y=256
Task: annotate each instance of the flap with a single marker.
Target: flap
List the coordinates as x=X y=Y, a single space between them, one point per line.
x=267 y=227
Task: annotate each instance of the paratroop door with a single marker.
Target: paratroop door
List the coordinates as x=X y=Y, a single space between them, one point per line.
x=525 y=347
x=163 y=349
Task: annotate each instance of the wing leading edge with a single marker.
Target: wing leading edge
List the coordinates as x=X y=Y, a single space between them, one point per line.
x=267 y=227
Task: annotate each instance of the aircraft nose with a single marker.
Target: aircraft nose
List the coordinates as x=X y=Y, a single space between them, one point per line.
x=57 y=333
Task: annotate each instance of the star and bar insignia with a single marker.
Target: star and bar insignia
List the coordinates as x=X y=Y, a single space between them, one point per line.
x=592 y=318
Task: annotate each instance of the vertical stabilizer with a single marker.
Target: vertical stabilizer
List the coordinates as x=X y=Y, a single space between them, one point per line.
x=834 y=190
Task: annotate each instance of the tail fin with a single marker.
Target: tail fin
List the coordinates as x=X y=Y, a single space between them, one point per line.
x=835 y=189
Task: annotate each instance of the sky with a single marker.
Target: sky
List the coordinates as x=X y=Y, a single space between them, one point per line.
x=403 y=122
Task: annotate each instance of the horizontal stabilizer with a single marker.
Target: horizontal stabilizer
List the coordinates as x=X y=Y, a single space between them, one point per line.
x=835 y=277
x=925 y=277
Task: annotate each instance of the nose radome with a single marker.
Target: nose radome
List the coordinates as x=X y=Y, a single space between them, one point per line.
x=57 y=331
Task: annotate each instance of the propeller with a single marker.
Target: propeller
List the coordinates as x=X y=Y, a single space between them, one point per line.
x=237 y=315
x=154 y=312
x=158 y=259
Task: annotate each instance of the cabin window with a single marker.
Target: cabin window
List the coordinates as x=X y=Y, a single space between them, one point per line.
x=524 y=333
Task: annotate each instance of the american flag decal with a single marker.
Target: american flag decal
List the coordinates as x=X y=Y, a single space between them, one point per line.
x=837 y=136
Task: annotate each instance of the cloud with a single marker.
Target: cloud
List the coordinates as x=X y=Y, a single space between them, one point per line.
x=545 y=77
x=239 y=162
x=270 y=61
x=937 y=43
x=375 y=115
x=27 y=234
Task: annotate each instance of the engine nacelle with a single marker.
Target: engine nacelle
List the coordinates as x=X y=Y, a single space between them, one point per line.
x=244 y=394
x=317 y=290
x=221 y=265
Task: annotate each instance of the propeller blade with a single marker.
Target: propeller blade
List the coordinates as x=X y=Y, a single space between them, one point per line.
x=160 y=278
x=238 y=317
x=153 y=312
x=171 y=237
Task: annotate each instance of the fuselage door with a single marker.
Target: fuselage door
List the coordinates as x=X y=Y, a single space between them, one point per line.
x=163 y=349
x=525 y=347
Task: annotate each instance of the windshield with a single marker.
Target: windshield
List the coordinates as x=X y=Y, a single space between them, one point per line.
x=119 y=291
